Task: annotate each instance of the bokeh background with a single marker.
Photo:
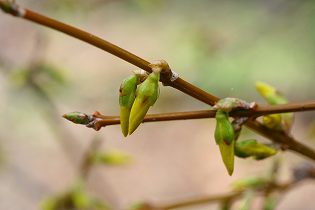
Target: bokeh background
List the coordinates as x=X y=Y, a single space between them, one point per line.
x=221 y=46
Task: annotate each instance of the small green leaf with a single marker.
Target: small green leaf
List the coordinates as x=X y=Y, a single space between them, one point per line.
x=110 y=158
x=249 y=182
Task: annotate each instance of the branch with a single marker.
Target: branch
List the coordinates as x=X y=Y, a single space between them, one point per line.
x=97 y=120
x=10 y=7
x=180 y=84
x=300 y=173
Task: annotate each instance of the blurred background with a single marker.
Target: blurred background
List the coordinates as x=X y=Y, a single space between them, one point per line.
x=223 y=47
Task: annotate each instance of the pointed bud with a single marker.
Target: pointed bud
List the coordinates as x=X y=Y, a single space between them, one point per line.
x=224 y=130
x=273 y=121
x=147 y=93
x=127 y=93
x=227 y=154
x=272 y=96
x=224 y=137
x=249 y=182
x=77 y=118
x=251 y=148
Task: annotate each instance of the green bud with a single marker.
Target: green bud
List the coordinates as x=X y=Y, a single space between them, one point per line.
x=249 y=182
x=273 y=121
x=272 y=96
x=146 y=95
x=110 y=158
x=224 y=137
x=127 y=93
x=77 y=118
x=227 y=154
x=251 y=148
x=224 y=130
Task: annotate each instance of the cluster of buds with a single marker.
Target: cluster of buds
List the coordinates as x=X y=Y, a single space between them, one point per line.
x=281 y=122
x=136 y=97
x=127 y=94
x=226 y=132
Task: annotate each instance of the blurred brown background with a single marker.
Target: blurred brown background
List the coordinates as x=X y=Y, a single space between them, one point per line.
x=222 y=46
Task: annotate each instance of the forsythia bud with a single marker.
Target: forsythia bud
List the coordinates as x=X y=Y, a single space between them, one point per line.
x=77 y=118
x=224 y=130
x=227 y=154
x=272 y=121
x=146 y=95
x=272 y=96
x=251 y=148
x=224 y=137
x=127 y=93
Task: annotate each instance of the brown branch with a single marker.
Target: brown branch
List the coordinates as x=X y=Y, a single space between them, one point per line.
x=180 y=84
x=300 y=173
x=231 y=196
x=210 y=199
x=97 y=120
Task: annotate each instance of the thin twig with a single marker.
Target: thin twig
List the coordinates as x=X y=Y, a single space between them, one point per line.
x=100 y=120
x=180 y=84
x=226 y=197
x=300 y=173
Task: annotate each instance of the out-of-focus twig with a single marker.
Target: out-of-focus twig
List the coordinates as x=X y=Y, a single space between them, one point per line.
x=304 y=172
